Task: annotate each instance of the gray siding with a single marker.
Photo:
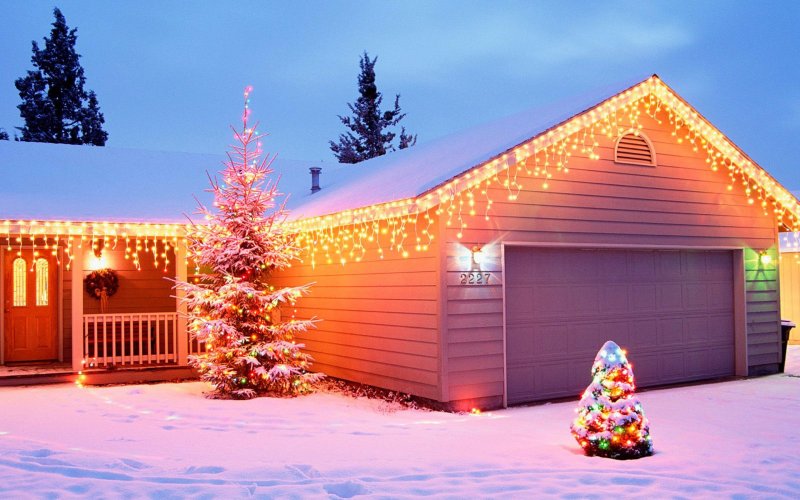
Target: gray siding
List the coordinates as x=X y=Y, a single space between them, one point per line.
x=379 y=319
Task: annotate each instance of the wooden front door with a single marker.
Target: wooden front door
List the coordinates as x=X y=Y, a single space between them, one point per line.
x=30 y=307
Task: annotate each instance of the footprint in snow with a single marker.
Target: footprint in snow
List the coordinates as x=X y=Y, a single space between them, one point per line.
x=205 y=469
x=79 y=489
x=305 y=471
x=348 y=489
x=133 y=464
x=41 y=453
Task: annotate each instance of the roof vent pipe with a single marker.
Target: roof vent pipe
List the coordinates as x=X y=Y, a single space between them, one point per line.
x=315 y=171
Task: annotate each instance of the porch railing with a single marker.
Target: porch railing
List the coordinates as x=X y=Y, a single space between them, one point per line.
x=195 y=346
x=130 y=339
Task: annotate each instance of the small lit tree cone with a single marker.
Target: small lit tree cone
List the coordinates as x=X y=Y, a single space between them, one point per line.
x=610 y=421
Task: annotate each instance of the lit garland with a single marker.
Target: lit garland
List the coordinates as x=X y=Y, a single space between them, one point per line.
x=610 y=421
x=134 y=238
x=405 y=226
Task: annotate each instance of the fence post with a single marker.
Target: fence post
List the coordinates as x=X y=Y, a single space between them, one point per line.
x=180 y=306
x=77 y=303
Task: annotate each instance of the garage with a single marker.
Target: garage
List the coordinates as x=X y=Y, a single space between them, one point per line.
x=673 y=310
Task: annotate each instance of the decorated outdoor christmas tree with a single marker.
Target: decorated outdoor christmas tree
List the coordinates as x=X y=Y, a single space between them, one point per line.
x=232 y=308
x=611 y=422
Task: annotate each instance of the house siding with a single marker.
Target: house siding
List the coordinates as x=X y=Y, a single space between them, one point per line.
x=379 y=318
x=148 y=289
x=679 y=203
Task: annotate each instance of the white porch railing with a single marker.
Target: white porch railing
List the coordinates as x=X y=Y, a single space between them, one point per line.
x=195 y=346
x=131 y=339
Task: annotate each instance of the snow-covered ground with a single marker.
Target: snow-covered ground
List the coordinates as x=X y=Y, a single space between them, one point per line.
x=732 y=439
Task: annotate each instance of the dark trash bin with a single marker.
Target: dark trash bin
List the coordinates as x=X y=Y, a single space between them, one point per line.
x=786 y=328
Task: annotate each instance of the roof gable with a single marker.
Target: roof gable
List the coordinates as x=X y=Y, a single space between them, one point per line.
x=447 y=171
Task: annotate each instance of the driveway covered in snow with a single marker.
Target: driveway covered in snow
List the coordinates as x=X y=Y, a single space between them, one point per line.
x=732 y=438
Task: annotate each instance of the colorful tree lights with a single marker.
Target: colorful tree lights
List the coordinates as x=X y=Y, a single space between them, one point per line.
x=232 y=309
x=610 y=421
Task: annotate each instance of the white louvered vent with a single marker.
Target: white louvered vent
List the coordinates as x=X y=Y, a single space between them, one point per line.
x=633 y=148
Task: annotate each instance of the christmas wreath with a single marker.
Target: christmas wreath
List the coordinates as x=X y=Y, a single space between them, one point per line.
x=99 y=280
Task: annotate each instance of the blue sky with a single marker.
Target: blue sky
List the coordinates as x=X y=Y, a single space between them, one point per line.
x=169 y=74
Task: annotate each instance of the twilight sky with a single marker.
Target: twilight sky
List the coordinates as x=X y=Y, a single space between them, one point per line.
x=169 y=74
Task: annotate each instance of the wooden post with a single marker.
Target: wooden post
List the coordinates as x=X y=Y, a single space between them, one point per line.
x=77 y=304
x=180 y=306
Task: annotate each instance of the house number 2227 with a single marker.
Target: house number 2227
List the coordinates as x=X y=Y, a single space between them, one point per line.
x=475 y=278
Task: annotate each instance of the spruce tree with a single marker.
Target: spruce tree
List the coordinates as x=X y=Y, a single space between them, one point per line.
x=55 y=106
x=233 y=310
x=3 y=135
x=369 y=135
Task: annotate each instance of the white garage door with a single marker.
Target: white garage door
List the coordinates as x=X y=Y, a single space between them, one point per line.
x=672 y=311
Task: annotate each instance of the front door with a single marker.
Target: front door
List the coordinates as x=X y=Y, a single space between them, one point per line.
x=30 y=307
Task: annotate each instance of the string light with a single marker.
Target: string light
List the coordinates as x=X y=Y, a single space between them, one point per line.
x=541 y=159
x=51 y=235
x=386 y=228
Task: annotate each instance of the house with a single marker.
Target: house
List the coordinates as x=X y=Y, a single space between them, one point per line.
x=68 y=211
x=480 y=270
x=487 y=268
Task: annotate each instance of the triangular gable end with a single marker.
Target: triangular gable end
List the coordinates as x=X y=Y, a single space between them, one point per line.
x=547 y=155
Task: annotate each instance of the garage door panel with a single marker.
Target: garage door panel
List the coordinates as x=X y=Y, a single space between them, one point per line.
x=673 y=310
x=615 y=299
x=519 y=342
x=585 y=336
x=719 y=267
x=669 y=265
x=695 y=264
x=520 y=299
x=643 y=334
x=671 y=365
x=583 y=298
x=720 y=296
x=695 y=296
x=643 y=298
x=551 y=301
x=612 y=266
x=696 y=330
x=641 y=266
x=552 y=378
x=670 y=297
x=670 y=332
x=553 y=340
x=719 y=330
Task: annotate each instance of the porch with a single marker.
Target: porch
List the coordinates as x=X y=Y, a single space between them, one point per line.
x=116 y=348
x=54 y=329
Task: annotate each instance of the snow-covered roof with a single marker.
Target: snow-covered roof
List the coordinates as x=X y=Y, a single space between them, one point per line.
x=411 y=172
x=84 y=183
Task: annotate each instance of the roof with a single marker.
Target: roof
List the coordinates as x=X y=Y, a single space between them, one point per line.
x=83 y=183
x=93 y=184
x=411 y=172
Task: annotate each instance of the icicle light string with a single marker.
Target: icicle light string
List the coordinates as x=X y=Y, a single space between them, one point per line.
x=549 y=154
x=44 y=236
x=347 y=236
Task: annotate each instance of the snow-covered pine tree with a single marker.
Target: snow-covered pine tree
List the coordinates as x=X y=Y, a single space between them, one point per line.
x=55 y=106
x=233 y=309
x=369 y=135
x=610 y=421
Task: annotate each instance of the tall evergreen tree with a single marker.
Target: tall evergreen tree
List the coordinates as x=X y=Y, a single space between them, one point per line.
x=55 y=106
x=369 y=135
x=3 y=135
x=233 y=310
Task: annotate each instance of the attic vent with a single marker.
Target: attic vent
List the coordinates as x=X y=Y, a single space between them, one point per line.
x=636 y=149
